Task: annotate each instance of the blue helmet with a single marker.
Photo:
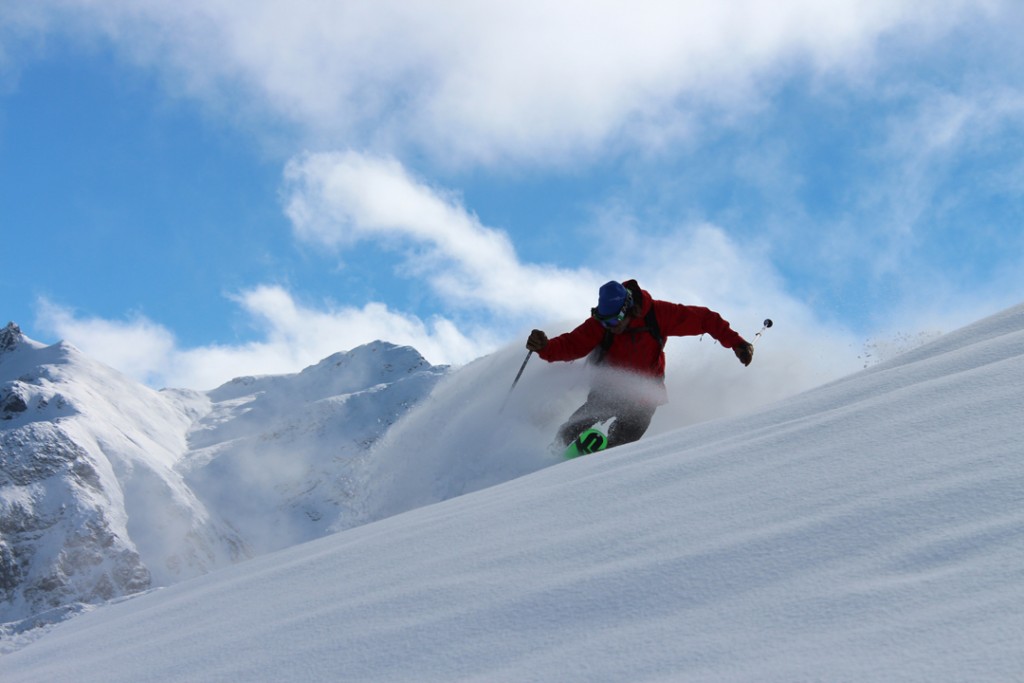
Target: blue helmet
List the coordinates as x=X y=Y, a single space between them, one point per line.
x=612 y=299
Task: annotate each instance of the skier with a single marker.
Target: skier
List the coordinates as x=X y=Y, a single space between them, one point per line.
x=626 y=331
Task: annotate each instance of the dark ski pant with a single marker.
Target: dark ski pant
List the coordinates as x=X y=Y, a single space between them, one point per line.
x=631 y=419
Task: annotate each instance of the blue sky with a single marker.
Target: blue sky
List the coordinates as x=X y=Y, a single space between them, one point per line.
x=194 y=191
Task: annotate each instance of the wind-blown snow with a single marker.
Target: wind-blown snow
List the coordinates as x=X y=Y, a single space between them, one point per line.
x=279 y=456
x=867 y=530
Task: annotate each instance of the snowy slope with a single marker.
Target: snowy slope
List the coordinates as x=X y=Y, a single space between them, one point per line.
x=868 y=530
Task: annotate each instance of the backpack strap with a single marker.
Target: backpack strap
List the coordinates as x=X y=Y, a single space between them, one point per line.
x=597 y=355
x=652 y=326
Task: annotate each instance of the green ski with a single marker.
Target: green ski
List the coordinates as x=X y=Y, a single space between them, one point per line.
x=590 y=441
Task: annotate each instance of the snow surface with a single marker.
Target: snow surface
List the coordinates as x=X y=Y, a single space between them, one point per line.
x=871 y=529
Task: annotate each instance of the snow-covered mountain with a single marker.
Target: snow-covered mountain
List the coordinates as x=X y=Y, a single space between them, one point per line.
x=87 y=470
x=866 y=530
x=108 y=488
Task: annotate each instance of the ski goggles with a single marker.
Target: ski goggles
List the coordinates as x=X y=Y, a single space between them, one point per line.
x=610 y=321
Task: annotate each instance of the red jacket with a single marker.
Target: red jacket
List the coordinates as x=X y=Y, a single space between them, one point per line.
x=636 y=349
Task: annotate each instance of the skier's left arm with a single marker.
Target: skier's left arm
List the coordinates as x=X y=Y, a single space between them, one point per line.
x=678 y=320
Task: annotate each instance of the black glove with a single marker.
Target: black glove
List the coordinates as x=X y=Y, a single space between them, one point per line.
x=537 y=341
x=744 y=351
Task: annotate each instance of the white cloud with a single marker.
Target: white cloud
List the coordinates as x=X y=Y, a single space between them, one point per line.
x=483 y=82
x=291 y=337
x=338 y=199
x=138 y=347
x=933 y=173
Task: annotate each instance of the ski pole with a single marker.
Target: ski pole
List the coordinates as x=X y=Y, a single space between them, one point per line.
x=767 y=323
x=516 y=380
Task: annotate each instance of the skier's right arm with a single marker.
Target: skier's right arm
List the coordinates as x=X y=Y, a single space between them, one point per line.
x=537 y=341
x=571 y=345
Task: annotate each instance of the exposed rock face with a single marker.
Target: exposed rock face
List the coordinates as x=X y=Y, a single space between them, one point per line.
x=58 y=543
x=10 y=337
x=11 y=402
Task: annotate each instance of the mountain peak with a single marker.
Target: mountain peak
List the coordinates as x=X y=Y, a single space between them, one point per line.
x=10 y=337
